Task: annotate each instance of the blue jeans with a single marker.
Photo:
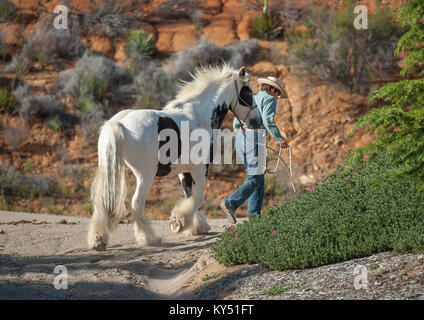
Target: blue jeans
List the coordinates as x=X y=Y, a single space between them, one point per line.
x=253 y=189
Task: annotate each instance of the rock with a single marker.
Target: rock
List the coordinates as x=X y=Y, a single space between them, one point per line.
x=220 y=31
x=283 y=70
x=82 y=5
x=243 y=29
x=201 y=263
x=120 y=51
x=212 y=6
x=307 y=180
x=176 y=37
x=102 y=45
x=11 y=34
x=27 y=5
x=264 y=68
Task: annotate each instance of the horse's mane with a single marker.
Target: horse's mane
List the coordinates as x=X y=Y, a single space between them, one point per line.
x=203 y=77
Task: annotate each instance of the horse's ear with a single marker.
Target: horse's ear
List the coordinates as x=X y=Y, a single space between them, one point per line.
x=242 y=72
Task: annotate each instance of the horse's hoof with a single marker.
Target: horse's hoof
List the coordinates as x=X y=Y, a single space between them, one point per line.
x=98 y=244
x=175 y=225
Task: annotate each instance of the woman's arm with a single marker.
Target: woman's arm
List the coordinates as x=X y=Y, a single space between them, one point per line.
x=268 y=113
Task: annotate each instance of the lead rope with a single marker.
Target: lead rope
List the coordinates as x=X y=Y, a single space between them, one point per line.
x=289 y=171
x=280 y=159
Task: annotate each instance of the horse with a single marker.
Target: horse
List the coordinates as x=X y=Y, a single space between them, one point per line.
x=133 y=138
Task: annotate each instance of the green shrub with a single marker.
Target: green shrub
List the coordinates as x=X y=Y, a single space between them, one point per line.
x=7 y=10
x=95 y=78
x=15 y=135
x=353 y=213
x=7 y=103
x=140 y=42
x=45 y=44
x=93 y=86
x=3 y=47
x=54 y=124
x=276 y=290
x=398 y=123
x=17 y=184
x=266 y=26
x=333 y=49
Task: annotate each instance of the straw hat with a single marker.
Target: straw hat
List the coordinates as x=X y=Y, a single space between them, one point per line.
x=274 y=82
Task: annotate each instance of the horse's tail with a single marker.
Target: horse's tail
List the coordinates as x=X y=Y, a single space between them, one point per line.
x=109 y=191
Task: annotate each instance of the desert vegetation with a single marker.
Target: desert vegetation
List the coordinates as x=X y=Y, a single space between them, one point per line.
x=332 y=50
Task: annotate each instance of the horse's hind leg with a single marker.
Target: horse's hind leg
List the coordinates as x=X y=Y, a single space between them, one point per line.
x=142 y=228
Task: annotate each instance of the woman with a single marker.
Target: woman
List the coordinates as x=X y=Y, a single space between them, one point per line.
x=247 y=147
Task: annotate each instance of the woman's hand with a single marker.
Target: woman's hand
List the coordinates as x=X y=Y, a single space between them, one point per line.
x=283 y=144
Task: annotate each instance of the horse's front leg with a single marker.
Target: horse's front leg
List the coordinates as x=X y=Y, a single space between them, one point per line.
x=200 y=224
x=185 y=216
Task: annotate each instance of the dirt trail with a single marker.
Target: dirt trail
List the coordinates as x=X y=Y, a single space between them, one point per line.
x=32 y=245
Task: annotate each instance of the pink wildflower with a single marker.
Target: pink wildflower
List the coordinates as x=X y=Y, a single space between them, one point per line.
x=348 y=177
x=312 y=189
x=272 y=233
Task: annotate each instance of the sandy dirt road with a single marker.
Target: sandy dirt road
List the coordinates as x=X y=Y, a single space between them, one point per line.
x=181 y=267
x=33 y=245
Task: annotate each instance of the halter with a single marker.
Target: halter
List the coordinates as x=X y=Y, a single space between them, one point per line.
x=247 y=104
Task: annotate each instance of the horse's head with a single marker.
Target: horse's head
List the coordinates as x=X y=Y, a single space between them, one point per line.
x=245 y=109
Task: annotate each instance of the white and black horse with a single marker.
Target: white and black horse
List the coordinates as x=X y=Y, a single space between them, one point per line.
x=133 y=138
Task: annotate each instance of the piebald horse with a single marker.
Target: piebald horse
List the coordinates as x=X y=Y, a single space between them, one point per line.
x=133 y=138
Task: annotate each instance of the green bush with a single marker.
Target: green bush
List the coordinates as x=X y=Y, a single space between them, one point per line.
x=3 y=47
x=398 y=123
x=7 y=10
x=266 y=26
x=93 y=86
x=353 y=213
x=7 y=103
x=16 y=184
x=140 y=42
x=333 y=49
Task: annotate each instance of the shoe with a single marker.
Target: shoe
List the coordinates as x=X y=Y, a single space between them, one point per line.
x=228 y=212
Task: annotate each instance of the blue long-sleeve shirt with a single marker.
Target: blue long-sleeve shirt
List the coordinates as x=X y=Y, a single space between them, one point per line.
x=267 y=105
